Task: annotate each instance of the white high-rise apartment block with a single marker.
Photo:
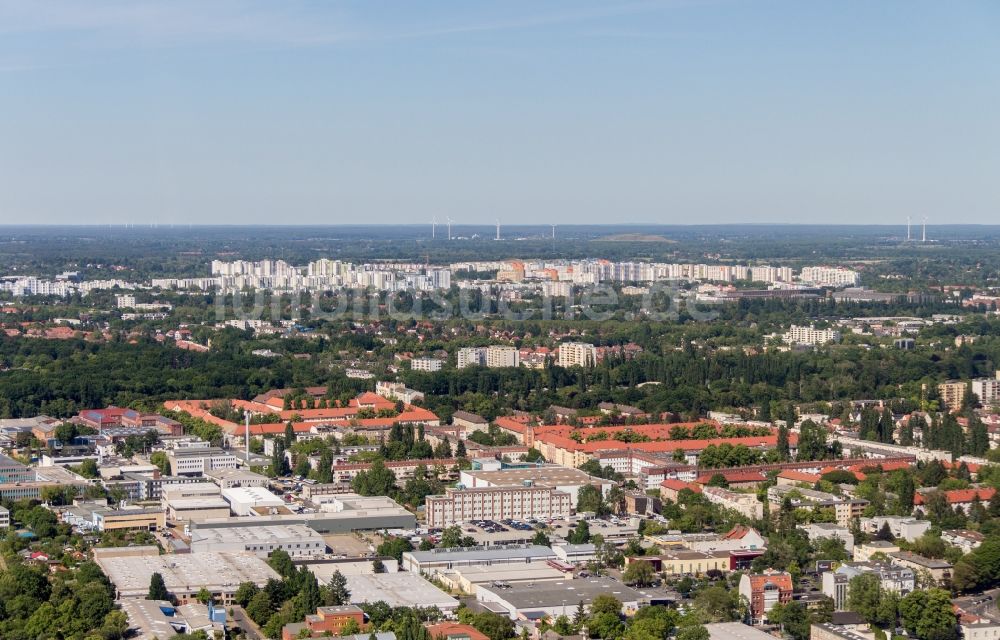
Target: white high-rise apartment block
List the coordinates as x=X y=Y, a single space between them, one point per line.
x=577 y=354
x=426 y=364
x=810 y=336
x=494 y=357
x=471 y=357
x=771 y=274
x=501 y=356
x=987 y=390
x=831 y=276
x=557 y=289
x=125 y=302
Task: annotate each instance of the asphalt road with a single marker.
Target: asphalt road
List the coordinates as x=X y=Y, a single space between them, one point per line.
x=243 y=621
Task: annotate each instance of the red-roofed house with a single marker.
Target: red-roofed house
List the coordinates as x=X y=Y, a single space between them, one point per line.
x=958 y=498
x=670 y=488
x=455 y=631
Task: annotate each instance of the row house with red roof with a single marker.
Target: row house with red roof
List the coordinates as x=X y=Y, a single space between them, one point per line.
x=957 y=499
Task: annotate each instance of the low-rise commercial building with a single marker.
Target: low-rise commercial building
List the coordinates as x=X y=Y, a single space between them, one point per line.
x=327 y=621
x=906 y=527
x=686 y=562
x=553 y=599
x=401 y=589
x=296 y=539
x=246 y=501
x=231 y=478
x=344 y=513
x=184 y=575
x=468 y=579
x=159 y=619
x=454 y=558
x=12 y=471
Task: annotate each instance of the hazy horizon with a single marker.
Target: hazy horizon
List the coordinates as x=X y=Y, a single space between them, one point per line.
x=650 y=112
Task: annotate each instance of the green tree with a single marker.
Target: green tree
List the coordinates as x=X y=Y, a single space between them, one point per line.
x=281 y=562
x=579 y=535
x=589 y=499
x=259 y=608
x=244 y=593
x=693 y=632
x=782 y=447
x=639 y=573
x=157 y=588
x=336 y=590
x=160 y=459
x=863 y=594
x=394 y=547
x=794 y=619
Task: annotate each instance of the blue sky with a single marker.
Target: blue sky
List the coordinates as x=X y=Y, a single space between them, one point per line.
x=292 y=111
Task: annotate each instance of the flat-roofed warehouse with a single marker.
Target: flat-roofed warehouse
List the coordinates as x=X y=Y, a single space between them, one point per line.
x=468 y=579
x=439 y=559
x=297 y=539
x=348 y=512
x=737 y=631
x=184 y=574
x=400 y=589
x=553 y=599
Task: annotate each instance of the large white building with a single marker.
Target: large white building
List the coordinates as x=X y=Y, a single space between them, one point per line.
x=246 y=501
x=830 y=276
x=524 y=502
x=196 y=461
x=810 y=336
x=577 y=354
x=987 y=390
x=501 y=356
x=426 y=364
x=493 y=356
x=745 y=503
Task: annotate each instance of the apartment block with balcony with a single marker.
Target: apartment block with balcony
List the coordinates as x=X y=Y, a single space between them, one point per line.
x=459 y=504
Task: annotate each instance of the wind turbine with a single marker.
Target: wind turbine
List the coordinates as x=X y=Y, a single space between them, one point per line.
x=498 y=228
x=434 y=222
x=907 y=228
x=449 y=227
x=924 y=236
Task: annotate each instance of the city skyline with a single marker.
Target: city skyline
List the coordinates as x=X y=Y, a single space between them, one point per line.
x=583 y=113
